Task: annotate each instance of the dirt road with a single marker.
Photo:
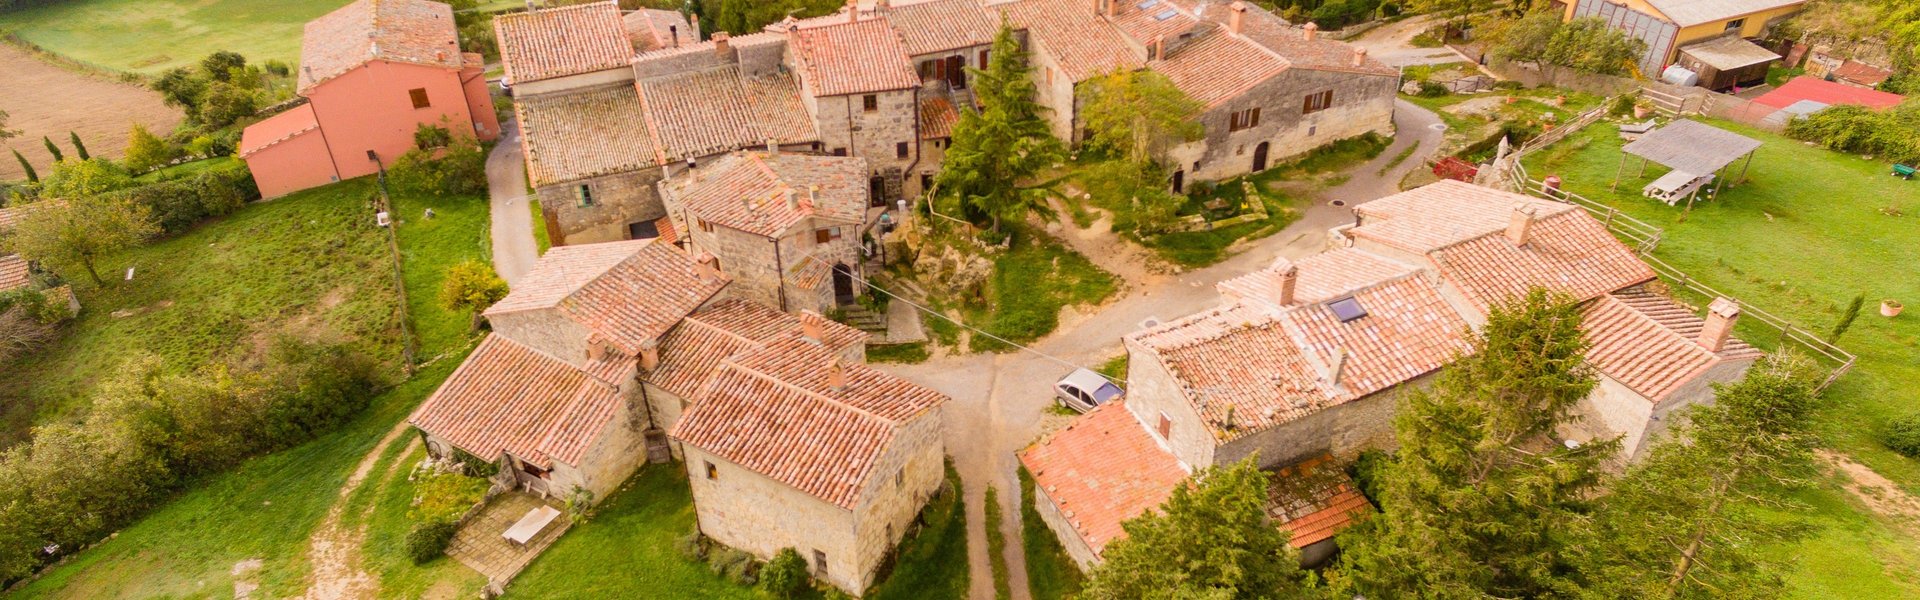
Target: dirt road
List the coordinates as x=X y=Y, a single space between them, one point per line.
x=514 y=251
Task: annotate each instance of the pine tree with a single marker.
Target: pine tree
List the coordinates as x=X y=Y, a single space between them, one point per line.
x=26 y=166
x=1682 y=524
x=1212 y=539
x=79 y=149
x=1480 y=501
x=1846 y=318
x=52 y=149
x=1004 y=143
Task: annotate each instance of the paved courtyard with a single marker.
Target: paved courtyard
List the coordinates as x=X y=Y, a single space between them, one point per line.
x=480 y=547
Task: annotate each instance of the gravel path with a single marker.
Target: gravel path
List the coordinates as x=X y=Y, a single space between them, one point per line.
x=514 y=251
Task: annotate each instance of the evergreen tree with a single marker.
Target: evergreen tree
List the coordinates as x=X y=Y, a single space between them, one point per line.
x=1682 y=524
x=1212 y=539
x=1001 y=145
x=52 y=149
x=1481 y=502
x=79 y=149
x=26 y=166
x=1846 y=318
x=1138 y=114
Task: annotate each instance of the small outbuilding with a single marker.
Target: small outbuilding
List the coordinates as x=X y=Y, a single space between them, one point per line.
x=1697 y=153
x=1726 y=62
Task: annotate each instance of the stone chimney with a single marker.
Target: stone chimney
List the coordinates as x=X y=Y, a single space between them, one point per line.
x=853 y=11
x=1336 y=364
x=673 y=31
x=1159 y=47
x=773 y=147
x=837 y=375
x=793 y=199
x=694 y=20
x=813 y=326
x=595 y=349
x=813 y=196
x=1520 y=224
x=1309 y=31
x=1721 y=315
x=1289 y=279
x=1238 y=15
x=649 y=355
x=720 y=45
x=1359 y=57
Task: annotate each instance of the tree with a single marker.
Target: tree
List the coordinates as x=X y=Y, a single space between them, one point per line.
x=220 y=65
x=1480 y=501
x=1688 y=521
x=26 y=166
x=225 y=103
x=1152 y=205
x=79 y=149
x=1847 y=317
x=471 y=287
x=146 y=151
x=181 y=87
x=1004 y=143
x=1212 y=539
x=785 y=576
x=1139 y=114
x=428 y=136
x=1588 y=44
x=85 y=178
x=52 y=149
x=73 y=234
x=459 y=169
x=1526 y=39
x=1454 y=11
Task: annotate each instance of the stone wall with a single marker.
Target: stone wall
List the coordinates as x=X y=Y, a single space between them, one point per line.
x=1070 y=539
x=1151 y=392
x=745 y=510
x=845 y=124
x=749 y=259
x=903 y=479
x=1053 y=90
x=603 y=467
x=1343 y=430
x=618 y=200
x=545 y=330
x=1361 y=104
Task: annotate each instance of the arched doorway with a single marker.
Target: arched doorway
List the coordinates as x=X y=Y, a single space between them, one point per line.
x=843 y=292
x=1260 y=156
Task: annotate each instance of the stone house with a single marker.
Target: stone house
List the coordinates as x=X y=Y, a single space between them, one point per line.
x=792 y=446
x=693 y=351
x=1304 y=362
x=786 y=226
x=1269 y=91
x=372 y=72
x=553 y=394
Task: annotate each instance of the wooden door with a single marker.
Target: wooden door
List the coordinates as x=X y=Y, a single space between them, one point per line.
x=1260 y=157
x=957 y=72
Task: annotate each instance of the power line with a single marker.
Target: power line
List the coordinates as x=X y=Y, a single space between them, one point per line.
x=928 y=310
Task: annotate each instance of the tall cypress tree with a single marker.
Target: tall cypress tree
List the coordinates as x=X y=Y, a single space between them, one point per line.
x=1004 y=143
x=1481 y=502
x=26 y=166
x=79 y=149
x=52 y=149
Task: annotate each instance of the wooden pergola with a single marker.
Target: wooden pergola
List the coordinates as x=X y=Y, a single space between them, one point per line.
x=1698 y=150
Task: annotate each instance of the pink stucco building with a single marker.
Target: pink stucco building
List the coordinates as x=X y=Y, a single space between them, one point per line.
x=372 y=72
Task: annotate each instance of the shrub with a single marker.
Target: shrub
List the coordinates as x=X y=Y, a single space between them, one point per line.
x=785 y=576
x=428 y=136
x=471 y=287
x=1430 y=89
x=734 y=565
x=146 y=151
x=1892 y=134
x=428 y=540
x=1622 y=106
x=457 y=170
x=443 y=496
x=75 y=179
x=692 y=546
x=1903 y=435
x=224 y=103
x=178 y=204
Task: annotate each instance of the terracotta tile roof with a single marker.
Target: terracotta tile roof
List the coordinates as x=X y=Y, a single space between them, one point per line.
x=1313 y=499
x=853 y=58
x=589 y=133
x=1320 y=54
x=1219 y=66
x=653 y=29
x=409 y=31
x=1649 y=343
x=1252 y=365
x=557 y=42
x=1440 y=214
x=773 y=411
x=1146 y=20
x=1569 y=253
x=1862 y=73
x=809 y=272
x=12 y=215
x=706 y=112
x=693 y=351
x=13 y=273
x=1085 y=45
x=278 y=128
x=942 y=25
x=664 y=225
x=1102 y=470
x=748 y=191
x=508 y=397
x=937 y=117
x=627 y=293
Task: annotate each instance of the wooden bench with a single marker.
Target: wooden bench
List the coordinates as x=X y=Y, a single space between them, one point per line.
x=532 y=524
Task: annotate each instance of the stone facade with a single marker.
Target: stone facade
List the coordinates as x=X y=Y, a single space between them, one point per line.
x=847 y=128
x=1614 y=409
x=619 y=200
x=1361 y=104
x=767 y=270
x=547 y=331
x=1153 y=394
x=1343 y=430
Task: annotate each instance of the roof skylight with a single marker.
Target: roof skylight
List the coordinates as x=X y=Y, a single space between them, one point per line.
x=1347 y=309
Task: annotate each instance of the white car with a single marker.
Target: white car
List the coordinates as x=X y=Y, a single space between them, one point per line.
x=1082 y=390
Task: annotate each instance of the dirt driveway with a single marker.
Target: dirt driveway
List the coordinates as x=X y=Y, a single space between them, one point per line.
x=45 y=100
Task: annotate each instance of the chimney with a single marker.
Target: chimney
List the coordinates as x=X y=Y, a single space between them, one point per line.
x=673 y=31
x=1113 y=8
x=1289 y=279
x=773 y=147
x=1239 y=14
x=813 y=195
x=813 y=326
x=1359 y=57
x=1520 y=224
x=1159 y=47
x=694 y=21
x=793 y=200
x=837 y=375
x=439 y=55
x=1336 y=364
x=649 y=355
x=720 y=43
x=1309 y=31
x=596 y=350
x=1721 y=315
x=853 y=11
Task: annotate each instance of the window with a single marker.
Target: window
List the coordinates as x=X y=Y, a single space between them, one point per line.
x=704 y=225
x=419 y=97
x=583 y=195
x=819 y=564
x=839 y=151
x=870 y=102
x=1243 y=119
x=822 y=236
x=1317 y=102
x=1736 y=24
x=1347 y=309
x=901 y=150
x=643 y=230
x=983 y=59
x=712 y=471
x=1166 y=426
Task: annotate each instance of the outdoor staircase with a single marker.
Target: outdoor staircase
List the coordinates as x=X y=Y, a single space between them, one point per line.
x=862 y=319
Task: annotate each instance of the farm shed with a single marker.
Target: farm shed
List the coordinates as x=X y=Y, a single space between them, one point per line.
x=1698 y=151
x=1727 y=62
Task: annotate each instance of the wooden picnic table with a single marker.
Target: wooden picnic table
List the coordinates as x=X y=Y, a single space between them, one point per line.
x=532 y=524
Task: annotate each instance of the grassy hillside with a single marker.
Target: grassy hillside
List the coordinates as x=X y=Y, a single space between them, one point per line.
x=150 y=36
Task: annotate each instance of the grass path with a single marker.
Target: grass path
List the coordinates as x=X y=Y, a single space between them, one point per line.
x=335 y=551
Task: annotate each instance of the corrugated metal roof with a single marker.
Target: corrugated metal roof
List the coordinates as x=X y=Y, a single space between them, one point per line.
x=1693 y=147
x=1729 y=53
x=1687 y=13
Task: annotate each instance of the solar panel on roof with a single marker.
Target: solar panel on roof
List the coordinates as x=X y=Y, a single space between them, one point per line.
x=1165 y=14
x=1347 y=309
x=1146 y=4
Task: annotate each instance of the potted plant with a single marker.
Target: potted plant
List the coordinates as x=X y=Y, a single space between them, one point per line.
x=1890 y=308
x=1641 y=109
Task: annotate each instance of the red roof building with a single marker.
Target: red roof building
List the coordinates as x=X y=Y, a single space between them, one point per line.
x=1827 y=92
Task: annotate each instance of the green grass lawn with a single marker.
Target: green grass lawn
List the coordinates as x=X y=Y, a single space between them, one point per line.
x=1031 y=282
x=312 y=265
x=997 y=546
x=150 y=36
x=1800 y=238
x=267 y=507
x=1051 y=574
